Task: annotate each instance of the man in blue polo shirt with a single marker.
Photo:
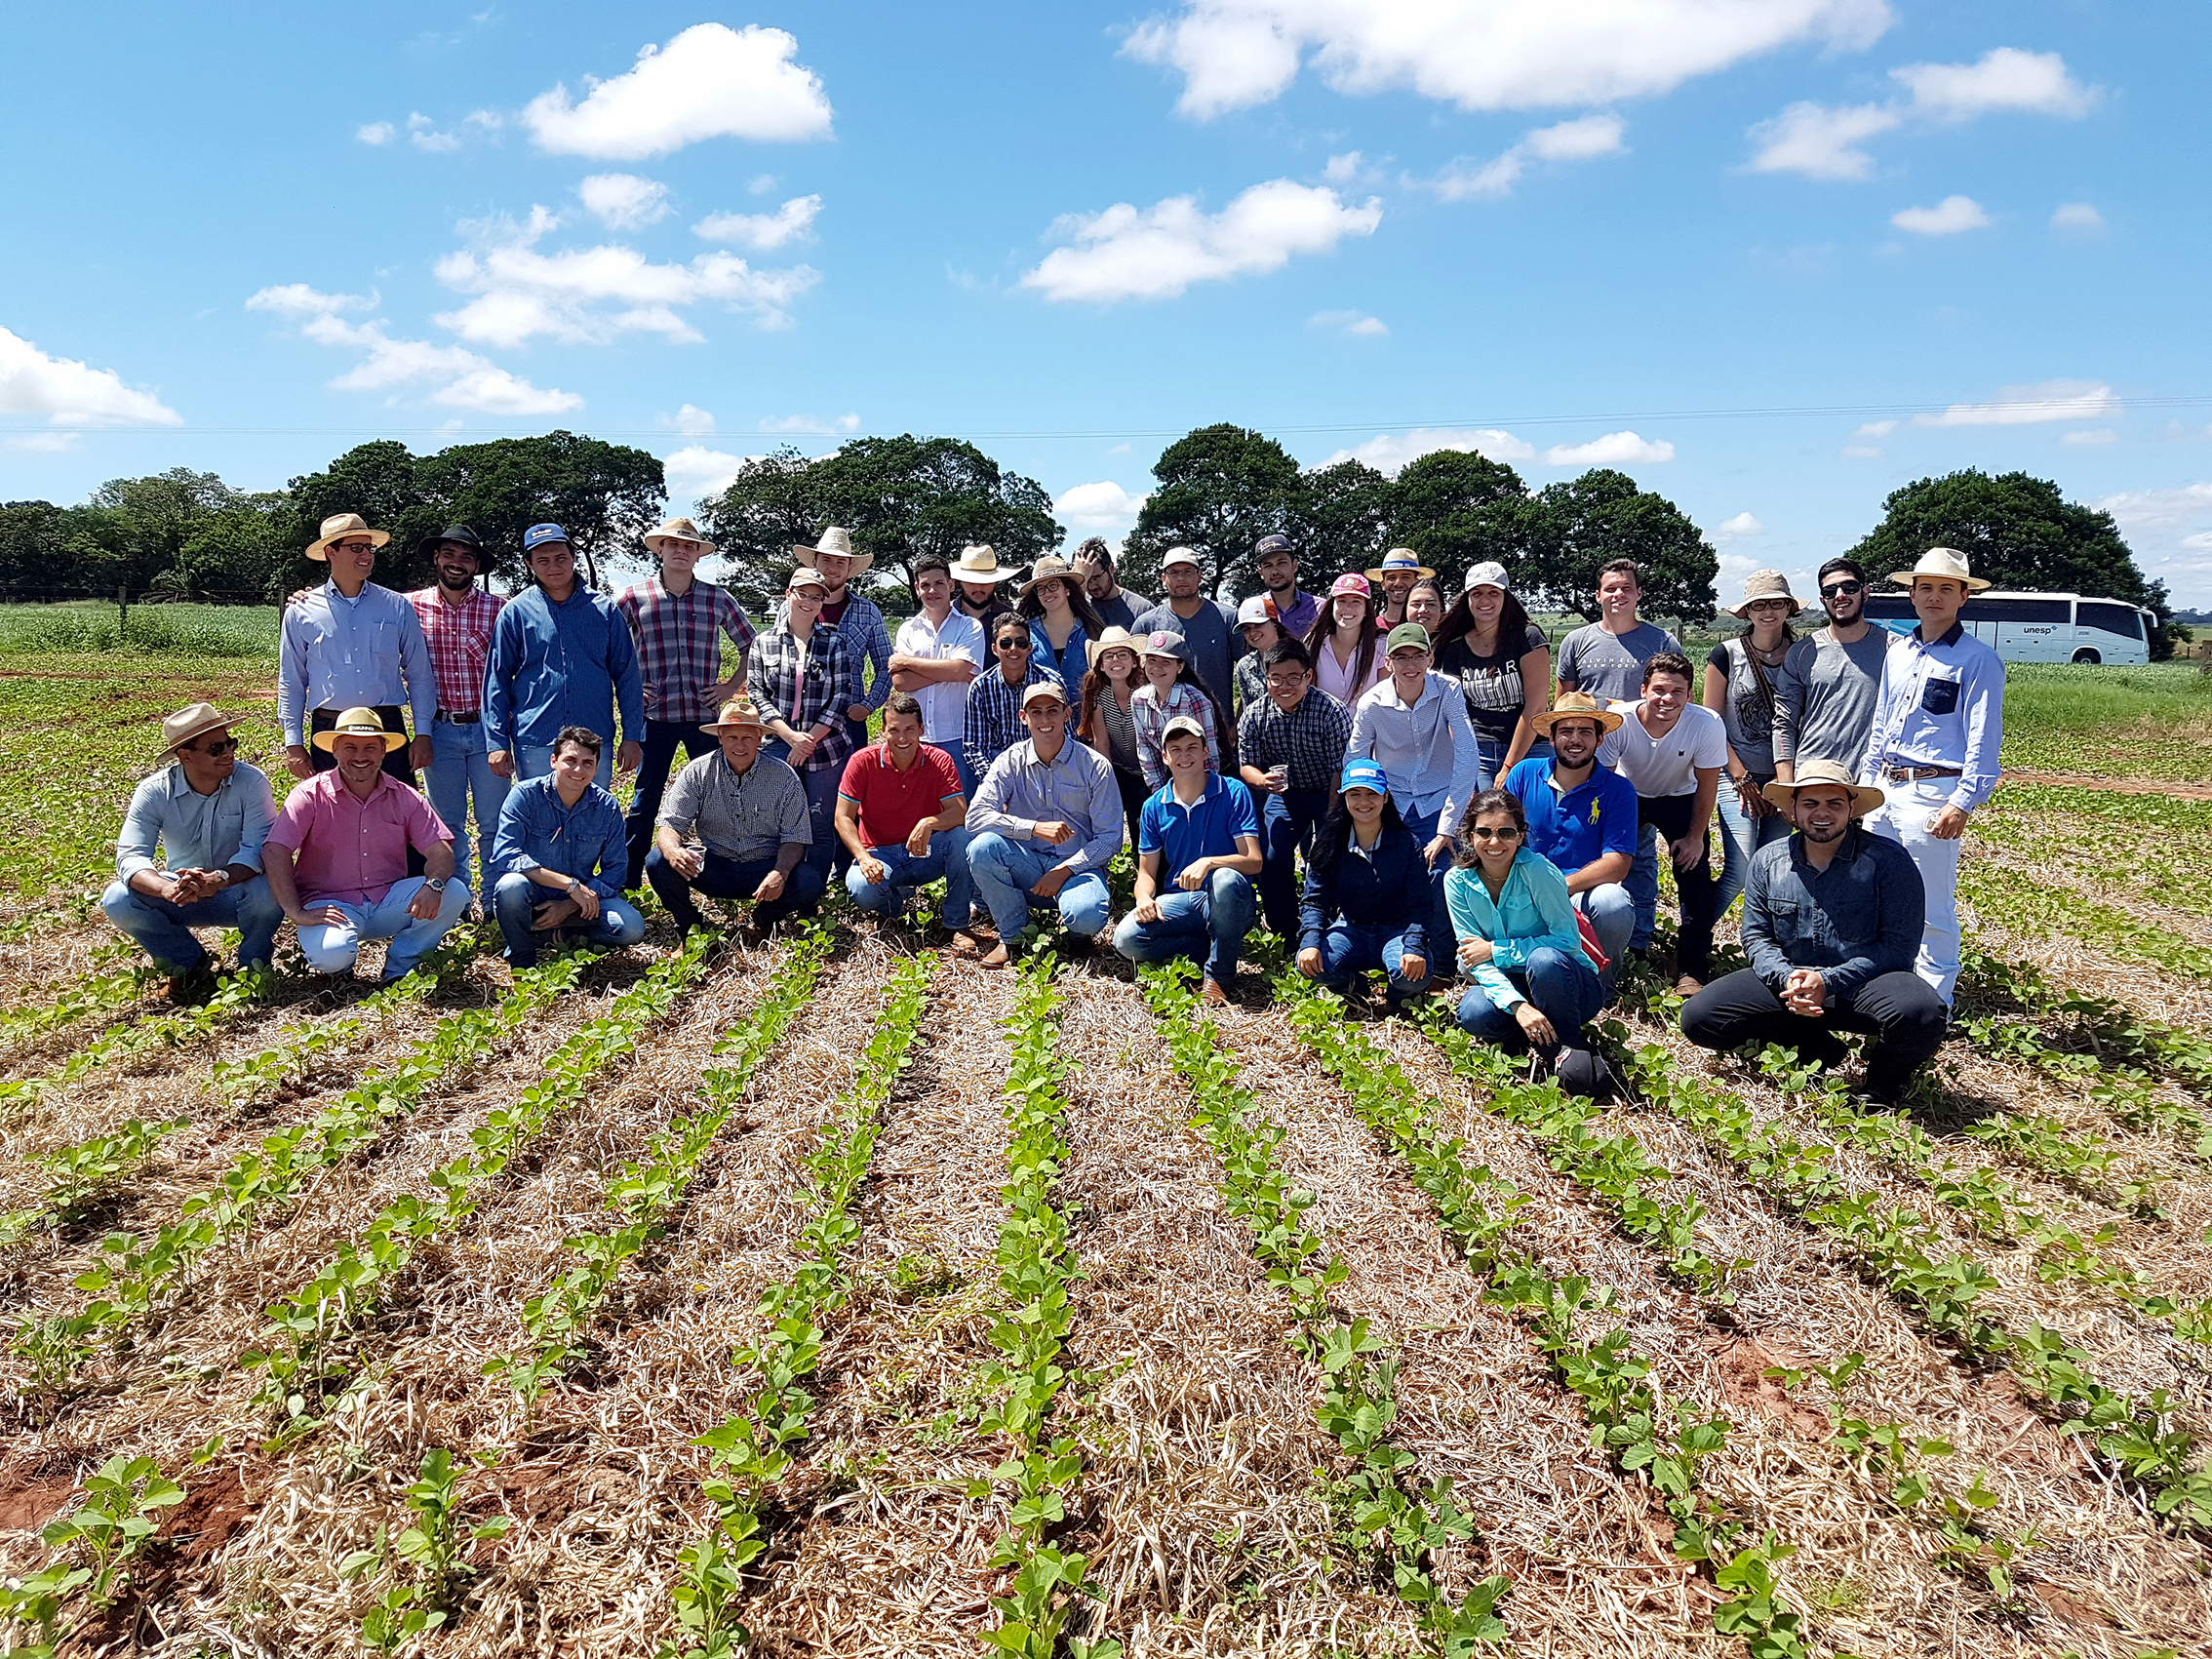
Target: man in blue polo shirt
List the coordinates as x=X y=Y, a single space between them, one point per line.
x=1198 y=839
x=1582 y=816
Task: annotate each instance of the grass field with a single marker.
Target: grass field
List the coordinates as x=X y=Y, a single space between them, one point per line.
x=812 y=1296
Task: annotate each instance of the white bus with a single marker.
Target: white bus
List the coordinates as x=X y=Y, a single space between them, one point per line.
x=2037 y=627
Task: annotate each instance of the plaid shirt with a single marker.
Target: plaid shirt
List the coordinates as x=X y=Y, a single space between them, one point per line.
x=994 y=713
x=1150 y=716
x=677 y=649
x=831 y=686
x=460 y=643
x=1309 y=739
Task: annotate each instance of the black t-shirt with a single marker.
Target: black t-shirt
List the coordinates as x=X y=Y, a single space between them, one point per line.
x=1495 y=696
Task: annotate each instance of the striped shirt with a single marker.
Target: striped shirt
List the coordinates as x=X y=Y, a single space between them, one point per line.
x=819 y=694
x=460 y=643
x=678 y=651
x=993 y=714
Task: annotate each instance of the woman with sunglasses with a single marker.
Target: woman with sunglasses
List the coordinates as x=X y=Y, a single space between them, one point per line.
x=1534 y=989
x=1824 y=700
x=1740 y=677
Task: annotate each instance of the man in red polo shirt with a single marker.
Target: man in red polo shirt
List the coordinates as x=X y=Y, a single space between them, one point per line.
x=901 y=814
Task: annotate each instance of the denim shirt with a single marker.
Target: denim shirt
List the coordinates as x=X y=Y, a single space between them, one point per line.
x=588 y=841
x=1859 y=918
x=1389 y=890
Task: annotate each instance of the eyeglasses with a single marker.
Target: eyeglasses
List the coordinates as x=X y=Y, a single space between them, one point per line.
x=353 y=547
x=1286 y=682
x=1509 y=833
x=220 y=747
x=1836 y=589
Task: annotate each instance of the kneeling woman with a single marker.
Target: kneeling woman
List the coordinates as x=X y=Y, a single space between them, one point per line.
x=1533 y=987
x=1366 y=899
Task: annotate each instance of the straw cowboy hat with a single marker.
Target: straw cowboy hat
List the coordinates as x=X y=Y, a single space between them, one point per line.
x=736 y=716
x=1579 y=705
x=981 y=564
x=1050 y=568
x=358 y=722
x=338 y=527
x=1115 y=638
x=190 y=722
x=835 y=542
x=675 y=529
x=1945 y=561
x=1400 y=559
x=1765 y=584
x=1864 y=797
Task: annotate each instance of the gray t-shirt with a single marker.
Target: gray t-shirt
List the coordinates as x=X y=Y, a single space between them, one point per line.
x=1747 y=708
x=1214 y=639
x=1824 y=698
x=1611 y=665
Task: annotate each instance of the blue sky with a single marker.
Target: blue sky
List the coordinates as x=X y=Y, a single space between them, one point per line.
x=1775 y=257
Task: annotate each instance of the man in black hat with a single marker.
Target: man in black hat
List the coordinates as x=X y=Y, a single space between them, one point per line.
x=458 y=617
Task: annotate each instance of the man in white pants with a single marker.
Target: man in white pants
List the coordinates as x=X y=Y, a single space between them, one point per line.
x=1939 y=720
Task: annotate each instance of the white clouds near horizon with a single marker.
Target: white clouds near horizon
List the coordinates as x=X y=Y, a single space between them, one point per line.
x=70 y=392
x=2028 y=405
x=1099 y=509
x=695 y=471
x=710 y=81
x=812 y=424
x=1155 y=252
x=1390 y=452
x=470 y=382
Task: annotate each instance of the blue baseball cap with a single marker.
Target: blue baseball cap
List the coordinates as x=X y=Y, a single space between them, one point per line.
x=1364 y=773
x=538 y=534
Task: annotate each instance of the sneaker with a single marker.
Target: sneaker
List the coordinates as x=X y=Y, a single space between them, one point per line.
x=1584 y=1073
x=1687 y=985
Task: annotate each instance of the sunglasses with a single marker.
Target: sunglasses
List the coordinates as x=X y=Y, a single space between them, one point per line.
x=1836 y=589
x=220 y=747
x=1509 y=833
x=1013 y=645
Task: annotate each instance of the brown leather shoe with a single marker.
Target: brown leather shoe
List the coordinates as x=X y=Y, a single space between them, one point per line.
x=997 y=956
x=1688 y=985
x=1213 y=995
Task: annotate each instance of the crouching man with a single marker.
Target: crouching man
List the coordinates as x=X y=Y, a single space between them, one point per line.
x=1833 y=919
x=902 y=817
x=1198 y=839
x=337 y=856
x=562 y=851
x=749 y=812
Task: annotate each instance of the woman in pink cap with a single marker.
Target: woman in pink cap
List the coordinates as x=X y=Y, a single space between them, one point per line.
x=1346 y=645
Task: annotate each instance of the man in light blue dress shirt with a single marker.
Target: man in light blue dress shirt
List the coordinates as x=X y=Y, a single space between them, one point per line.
x=206 y=812
x=1937 y=723
x=350 y=644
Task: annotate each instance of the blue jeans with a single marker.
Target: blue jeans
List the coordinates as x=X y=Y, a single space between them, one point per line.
x=517 y=896
x=841 y=856
x=460 y=768
x=535 y=760
x=1563 y=988
x=662 y=740
x=970 y=777
x=1287 y=833
x=1441 y=962
x=1490 y=753
x=728 y=878
x=947 y=858
x=1209 y=926
x=164 y=931
x=1347 y=952
x=821 y=784
x=1739 y=837
x=331 y=949
x=1004 y=871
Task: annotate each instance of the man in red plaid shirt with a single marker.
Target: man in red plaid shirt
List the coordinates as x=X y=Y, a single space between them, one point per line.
x=456 y=618
x=679 y=623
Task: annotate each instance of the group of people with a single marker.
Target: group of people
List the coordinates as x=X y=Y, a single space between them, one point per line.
x=1391 y=781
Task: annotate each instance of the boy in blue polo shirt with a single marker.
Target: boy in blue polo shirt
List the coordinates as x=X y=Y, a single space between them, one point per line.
x=1197 y=838
x=1582 y=816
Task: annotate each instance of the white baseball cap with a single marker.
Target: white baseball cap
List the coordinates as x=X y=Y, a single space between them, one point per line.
x=1254 y=610
x=1178 y=556
x=1488 y=573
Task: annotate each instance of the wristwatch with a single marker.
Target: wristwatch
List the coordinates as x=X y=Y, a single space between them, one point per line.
x=436 y=884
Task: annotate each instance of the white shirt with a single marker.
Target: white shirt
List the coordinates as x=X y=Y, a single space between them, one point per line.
x=1425 y=747
x=944 y=705
x=1665 y=765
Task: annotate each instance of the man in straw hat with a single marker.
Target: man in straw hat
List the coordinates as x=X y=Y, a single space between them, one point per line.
x=679 y=624
x=1583 y=817
x=560 y=856
x=749 y=814
x=1606 y=657
x=1832 y=920
x=457 y=618
x=561 y=655
x=337 y=856
x=977 y=574
x=1045 y=823
x=937 y=652
x=1395 y=577
x=1197 y=850
x=1939 y=722
x=205 y=812
x=859 y=622
x=1207 y=625
x=351 y=644
x=902 y=815
x=1740 y=686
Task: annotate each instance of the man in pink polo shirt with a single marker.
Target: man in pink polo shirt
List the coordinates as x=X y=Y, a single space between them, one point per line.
x=335 y=858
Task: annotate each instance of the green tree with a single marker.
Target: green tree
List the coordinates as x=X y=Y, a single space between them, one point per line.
x=1222 y=489
x=1457 y=509
x=1578 y=525
x=774 y=503
x=2019 y=533
x=154 y=516
x=1343 y=518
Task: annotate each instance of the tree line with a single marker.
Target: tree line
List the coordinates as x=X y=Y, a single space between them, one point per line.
x=187 y=534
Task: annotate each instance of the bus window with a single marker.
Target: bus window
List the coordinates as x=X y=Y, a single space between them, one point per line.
x=2023 y=627
x=2123 y=620
x=1892 y=611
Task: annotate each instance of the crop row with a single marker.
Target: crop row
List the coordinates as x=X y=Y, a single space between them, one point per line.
x=751 y=1451
x=104 y=991
x=2000 y=893
x=2156 y=846
x=295 y=1345
x=1405 y=1522
x=234 y=994
x=1628 y=1419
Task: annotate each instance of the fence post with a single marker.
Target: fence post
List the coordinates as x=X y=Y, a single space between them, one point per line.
x=122 y=606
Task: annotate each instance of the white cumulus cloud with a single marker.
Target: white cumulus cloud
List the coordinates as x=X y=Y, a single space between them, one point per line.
x=1948 y=217
x=812 y=424
x=794 y=221
x=2028 y=405
x=2081 y=217
x=690 y=420
x=1157 y=251
x=623 y=201
x=422 y=133
x=1614 y=449
x=695 y=471
x=1743 y=524
x=1480 y=54
x=469 y=381
x=710 y=82
x=1582 y=139
x=1821 y=142
x=1390 y=453
x=373 y=133
x=1095 y=509
x=69 y=393
x=1355 y=323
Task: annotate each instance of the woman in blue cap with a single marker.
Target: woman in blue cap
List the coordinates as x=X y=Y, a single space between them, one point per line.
x=1366 y=899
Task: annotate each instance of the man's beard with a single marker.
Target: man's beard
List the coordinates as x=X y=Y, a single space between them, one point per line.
x=1823 y=835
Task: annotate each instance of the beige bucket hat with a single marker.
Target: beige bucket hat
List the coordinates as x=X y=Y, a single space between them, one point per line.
x=192 y=721
x=736 y=716
x=676 y=530
x=338 y=527
x=1115 y=638
x=833 y=541
x=1050 y=568
x=1581 y=705
x=1864 y=798
x=358 y=722
x=1941 y=562
x=1765 y=584
x=981 y=564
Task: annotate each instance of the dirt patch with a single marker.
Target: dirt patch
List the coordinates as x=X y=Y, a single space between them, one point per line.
x=32 y=1505
x=2114 y=786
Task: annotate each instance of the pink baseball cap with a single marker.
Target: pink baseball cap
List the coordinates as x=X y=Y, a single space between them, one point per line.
x=1351 y=581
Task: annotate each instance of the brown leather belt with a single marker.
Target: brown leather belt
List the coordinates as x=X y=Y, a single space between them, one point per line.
x=1914 y=774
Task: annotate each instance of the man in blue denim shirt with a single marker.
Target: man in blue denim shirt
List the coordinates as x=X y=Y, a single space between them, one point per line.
x=1832 y=922
x=561 y=854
